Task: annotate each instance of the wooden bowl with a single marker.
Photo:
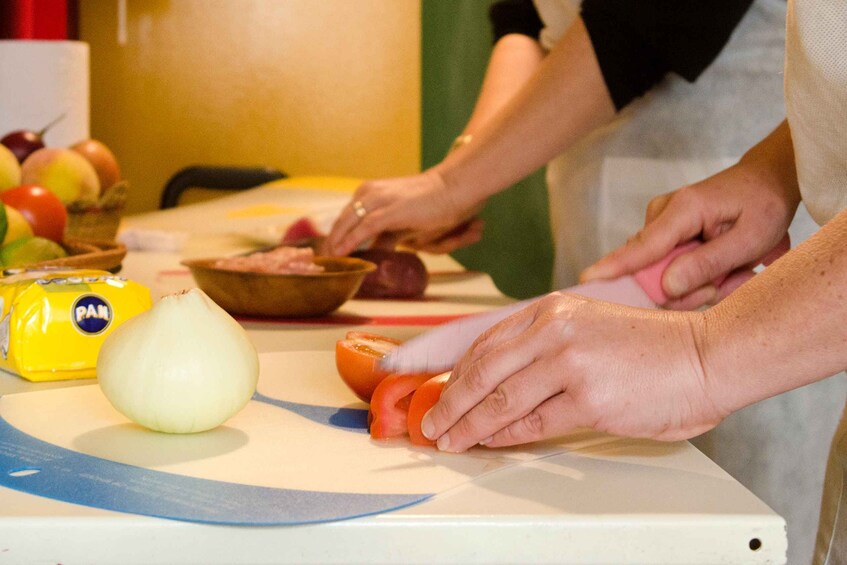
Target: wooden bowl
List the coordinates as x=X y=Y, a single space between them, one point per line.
x=100 y=255
x=282 y=296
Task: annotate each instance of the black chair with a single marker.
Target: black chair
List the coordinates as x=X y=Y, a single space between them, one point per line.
x=217 y=178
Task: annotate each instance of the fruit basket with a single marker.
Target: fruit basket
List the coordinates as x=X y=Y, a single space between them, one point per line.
x=97 y=222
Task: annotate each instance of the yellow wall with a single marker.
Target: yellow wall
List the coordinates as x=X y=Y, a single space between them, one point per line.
x=307 y=86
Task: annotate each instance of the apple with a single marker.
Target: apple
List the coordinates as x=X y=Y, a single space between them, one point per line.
x=64 y=172
x=102 y=159
x=17 y=225
x=10 y=170
x=29 y=250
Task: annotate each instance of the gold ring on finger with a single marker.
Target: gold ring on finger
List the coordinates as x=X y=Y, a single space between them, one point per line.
x=359 y=209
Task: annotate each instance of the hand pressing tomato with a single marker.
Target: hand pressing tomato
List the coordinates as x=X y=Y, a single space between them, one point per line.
x=397 y=402
x=423 y=399
x=357 y=360
x=41 y=208
x=390 y=405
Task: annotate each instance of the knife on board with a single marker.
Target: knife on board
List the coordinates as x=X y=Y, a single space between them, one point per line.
x=439 y=349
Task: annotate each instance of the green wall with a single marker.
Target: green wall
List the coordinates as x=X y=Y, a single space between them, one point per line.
x=456 y=43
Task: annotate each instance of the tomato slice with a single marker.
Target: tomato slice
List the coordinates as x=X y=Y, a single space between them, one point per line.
x=422 y=400
x=357 y=360
x=393 y=410
x=390 y=404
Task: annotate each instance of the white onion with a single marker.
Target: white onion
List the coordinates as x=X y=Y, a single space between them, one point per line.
x=183 y=366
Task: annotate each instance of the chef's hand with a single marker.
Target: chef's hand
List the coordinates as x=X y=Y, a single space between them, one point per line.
x=568 y=362
x=742 y=214
x=446 y=241
x=420 y=211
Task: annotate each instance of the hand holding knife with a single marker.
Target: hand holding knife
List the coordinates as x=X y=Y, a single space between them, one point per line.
x=439 y=349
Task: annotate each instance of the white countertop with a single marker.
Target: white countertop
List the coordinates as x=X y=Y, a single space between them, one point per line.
x=606 y=500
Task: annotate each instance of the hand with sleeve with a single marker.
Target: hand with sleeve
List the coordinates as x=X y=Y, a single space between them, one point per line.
x=742 y=214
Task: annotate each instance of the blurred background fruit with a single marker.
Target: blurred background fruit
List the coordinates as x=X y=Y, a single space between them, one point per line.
x=85 y=179
x=17 y=226
x=30 y=250
x=66 y=173
x=42 y=209
x=102 y=159
x=23 y=143
x=10 y=170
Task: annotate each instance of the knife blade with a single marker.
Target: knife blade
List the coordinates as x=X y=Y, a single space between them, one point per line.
x=439 y=349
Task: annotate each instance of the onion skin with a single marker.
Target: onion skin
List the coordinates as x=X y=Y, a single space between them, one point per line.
x=184 y=366
x=399 y=274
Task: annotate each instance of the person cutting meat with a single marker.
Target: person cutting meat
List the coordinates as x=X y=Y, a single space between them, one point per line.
x=600 y=91
x=601 y=97
x=568 y=362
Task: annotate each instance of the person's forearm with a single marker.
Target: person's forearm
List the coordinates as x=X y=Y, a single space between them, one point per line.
x=560 y=104
x=514 y=59
x=772 y=161
x=785 y=328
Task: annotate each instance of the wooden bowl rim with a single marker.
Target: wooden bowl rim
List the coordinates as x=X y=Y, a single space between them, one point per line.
x=84 y=254
x=365 y=267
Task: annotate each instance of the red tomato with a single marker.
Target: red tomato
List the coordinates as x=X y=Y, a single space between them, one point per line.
x=422 y=400
x=357 y=357
x=390 y=405
x=42 y=209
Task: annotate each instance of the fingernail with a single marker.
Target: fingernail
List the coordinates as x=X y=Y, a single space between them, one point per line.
x=487 y=440
x=443 y=443
x=427 y=427
x=673 y=284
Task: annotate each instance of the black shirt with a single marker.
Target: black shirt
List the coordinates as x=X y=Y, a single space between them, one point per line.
x=638 y=42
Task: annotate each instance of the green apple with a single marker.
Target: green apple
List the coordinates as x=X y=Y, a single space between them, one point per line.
x=10 y=170
x=65 y=173
x=29 y=250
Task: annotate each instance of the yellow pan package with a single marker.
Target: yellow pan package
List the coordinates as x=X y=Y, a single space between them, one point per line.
x=54 y=322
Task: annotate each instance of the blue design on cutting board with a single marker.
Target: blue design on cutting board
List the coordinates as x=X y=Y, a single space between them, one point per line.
x=350 y=419
x=30 y=465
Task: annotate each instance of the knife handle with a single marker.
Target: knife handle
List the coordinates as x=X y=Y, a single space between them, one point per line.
x=650 y=278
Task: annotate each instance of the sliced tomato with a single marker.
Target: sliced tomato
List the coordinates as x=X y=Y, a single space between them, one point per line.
x=390 y=404
x=357 y=360
x=422 y=400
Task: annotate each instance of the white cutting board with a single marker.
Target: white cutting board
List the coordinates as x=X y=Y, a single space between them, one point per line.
x=297 y=453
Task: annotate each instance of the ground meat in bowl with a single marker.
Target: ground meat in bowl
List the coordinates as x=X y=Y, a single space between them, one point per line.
x=279 y=261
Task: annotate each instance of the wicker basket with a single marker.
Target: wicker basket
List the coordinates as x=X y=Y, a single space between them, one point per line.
x=98 y=222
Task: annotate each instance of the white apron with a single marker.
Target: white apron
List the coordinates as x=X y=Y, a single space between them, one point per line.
x=677 y=134
x=816 y=104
